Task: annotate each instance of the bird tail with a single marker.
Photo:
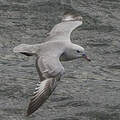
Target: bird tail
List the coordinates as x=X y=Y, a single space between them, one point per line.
x=26 y=49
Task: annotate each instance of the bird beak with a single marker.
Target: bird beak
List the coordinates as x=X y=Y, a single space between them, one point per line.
x=85 y=56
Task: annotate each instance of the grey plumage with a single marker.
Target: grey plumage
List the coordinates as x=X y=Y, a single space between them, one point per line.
x=57 y=47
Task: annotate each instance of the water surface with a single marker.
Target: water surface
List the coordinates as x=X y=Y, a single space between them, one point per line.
x=88 y=91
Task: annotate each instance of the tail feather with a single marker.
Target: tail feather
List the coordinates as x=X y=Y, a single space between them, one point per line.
x=26 y=49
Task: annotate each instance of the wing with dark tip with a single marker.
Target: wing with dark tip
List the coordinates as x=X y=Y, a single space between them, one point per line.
x=51 y=70
x=43 y=91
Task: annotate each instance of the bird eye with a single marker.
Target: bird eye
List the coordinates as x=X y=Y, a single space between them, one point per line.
x=78 y=51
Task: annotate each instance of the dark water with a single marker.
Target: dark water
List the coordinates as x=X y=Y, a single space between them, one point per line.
x=88 y=91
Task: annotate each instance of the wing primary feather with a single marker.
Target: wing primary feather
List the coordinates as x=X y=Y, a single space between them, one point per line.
x=45 y=89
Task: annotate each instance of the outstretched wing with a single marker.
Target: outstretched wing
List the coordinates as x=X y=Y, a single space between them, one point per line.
x=62 y=31
x=51 y=70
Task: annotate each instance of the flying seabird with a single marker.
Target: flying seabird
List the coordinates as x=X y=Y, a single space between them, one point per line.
x=58 y=47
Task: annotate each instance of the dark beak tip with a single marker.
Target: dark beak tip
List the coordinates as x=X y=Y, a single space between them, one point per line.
x=89 y=60
x=86 y=58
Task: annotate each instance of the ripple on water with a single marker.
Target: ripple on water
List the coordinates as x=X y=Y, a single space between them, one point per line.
x=100 y=115
x=73 y=104
x=27 y=21
x=114 y=67
x=66 y=118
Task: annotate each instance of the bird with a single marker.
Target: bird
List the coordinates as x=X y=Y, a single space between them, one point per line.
x=49 y=55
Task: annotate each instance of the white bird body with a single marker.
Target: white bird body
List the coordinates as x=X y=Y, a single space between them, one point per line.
x=57 y=47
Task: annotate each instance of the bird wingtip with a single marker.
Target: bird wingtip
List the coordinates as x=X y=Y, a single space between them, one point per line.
x=70 y=16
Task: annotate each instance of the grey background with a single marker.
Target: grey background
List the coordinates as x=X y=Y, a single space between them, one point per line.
x=88 y=91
